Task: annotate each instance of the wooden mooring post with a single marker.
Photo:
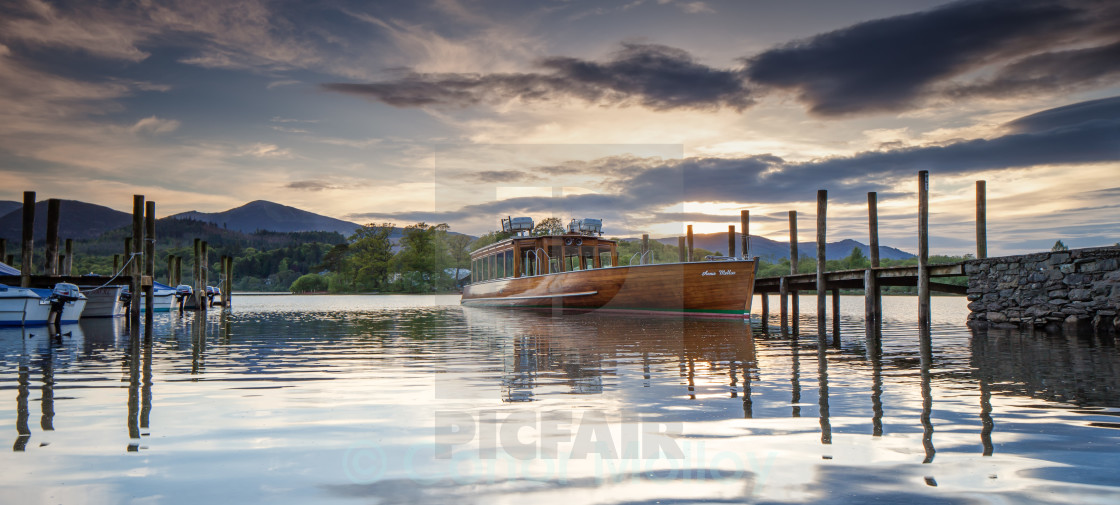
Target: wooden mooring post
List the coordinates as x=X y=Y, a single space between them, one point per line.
x=54 y=211
x=68 y=264
x=171 y=270
x=137 y=255
x=923 y=251
x=149 y=261
x=731 y=241
x=204 y=267
x=783 y=303
x=682 y=251
x=688 y=235
x=822 y=210
x=227 y=294
x=645 y=250
x=745 y=218
x=872 y=296
x=28 y=238
x=196 y=272
x=794 y=254
x=4 y=249
x=981 y=220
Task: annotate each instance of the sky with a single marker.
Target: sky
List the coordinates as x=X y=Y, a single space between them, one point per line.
x=649 y=114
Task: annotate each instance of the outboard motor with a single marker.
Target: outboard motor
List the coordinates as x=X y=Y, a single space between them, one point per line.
x=126 y=298
x=63 y=293
x=182 y=292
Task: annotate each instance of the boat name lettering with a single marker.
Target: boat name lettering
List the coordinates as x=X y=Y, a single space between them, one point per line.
x=707 y=273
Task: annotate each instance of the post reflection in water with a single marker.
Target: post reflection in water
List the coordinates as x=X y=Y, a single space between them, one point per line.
x=875 y=356
x=132 y=362
x=925 y=346
x=23 y=432
x=795 y=376
x=1056 y=398
x=822 y=389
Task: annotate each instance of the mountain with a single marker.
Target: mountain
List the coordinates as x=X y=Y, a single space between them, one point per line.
x=77 y=220
x=772 y=250
x=7 y=206
x=264 y=215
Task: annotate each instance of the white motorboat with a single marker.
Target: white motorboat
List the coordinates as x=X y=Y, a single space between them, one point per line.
x=22 y=307
x=104 y=301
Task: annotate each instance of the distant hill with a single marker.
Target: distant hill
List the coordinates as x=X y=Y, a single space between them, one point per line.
x=7 y=206
x=264 y=215
x=77 y=220
x=772 y=250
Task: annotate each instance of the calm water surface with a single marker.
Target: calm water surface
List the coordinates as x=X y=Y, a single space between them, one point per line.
x=414 y=399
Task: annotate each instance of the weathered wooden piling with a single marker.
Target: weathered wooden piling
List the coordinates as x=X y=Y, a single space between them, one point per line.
x=645 y=249
x=204 y=270
x=682 y=251
x=731 y=241
x=783 y=300
x=149 y=259
x=981 y=220
x=54 y=211
x=872 y=297
x=745 y=218
x=688 y=234
x=923 y=250
x=196 y=271
x=227 y=295
x=822 y=211
x=795 y=299
x=137 y=252
x=835 y=315
x=4 y=249
x=10 y=259
x=68 y=265
x=178 y=271
x=170 y=269
x=116 y=263
x=127 y=256
x=28 y=238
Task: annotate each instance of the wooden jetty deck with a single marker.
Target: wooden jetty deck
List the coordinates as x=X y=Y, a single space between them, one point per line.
x=854 y=279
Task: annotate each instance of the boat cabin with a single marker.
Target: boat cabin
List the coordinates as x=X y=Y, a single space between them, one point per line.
x=525 y=256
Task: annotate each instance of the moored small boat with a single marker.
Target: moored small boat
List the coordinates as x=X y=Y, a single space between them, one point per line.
x=22 y=307
x=103 y=301
x=580 y=270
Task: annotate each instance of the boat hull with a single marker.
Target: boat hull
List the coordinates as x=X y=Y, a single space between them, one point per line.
x=721 y=288
x=103 y=302
x=22 y=307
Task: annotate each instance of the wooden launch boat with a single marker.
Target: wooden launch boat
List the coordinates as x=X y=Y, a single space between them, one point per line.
x=580 y=270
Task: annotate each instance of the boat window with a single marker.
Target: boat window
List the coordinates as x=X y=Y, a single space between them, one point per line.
x=509 y=263
x=502 y=264
x=605 y=256
x=587 y=257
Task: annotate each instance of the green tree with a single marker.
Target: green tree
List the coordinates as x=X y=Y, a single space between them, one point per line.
x=1059 y=246
x=368 y=257
x=548 y=226
x=310 y=283
x=422 y=257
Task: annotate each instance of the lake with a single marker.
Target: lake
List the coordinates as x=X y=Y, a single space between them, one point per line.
x=414 y=399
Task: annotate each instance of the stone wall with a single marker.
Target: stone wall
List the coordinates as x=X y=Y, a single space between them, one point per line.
x=1079 y=286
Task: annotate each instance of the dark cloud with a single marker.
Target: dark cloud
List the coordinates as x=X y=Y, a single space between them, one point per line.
x=1072 y=136
x=1103 y=109
x=890 y=63
x=502 y=176
x=1047 y=72
x=652 y=76
x=310 y=185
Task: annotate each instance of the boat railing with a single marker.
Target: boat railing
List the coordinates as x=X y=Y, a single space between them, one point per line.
x=641 y=259
x=547 y=260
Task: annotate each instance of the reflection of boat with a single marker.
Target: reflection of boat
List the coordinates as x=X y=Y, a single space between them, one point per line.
x=162 y=299
x=22 y=307
x=104 y=301
x=580 y=270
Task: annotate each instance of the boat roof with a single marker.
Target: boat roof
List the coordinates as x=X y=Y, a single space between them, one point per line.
x=6 y=269
x=502 y=243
